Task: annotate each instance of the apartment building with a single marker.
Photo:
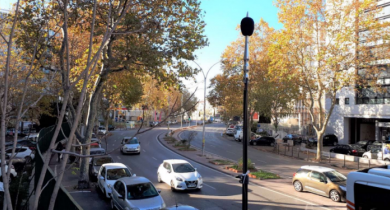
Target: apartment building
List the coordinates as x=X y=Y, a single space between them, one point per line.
x=364 y=114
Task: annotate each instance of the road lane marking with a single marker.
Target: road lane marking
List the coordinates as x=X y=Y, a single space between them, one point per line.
x=118 y=157
x=154 y=158
x=143 y=150
x=209 y=186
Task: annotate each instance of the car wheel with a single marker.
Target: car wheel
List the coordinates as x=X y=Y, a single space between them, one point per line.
x=272 y=144
x=122 y=151
x=387 y=159
x=159 y=178
x=254 y=143
x=298 y=186
x=365 y=156
x=334 y=143
x=112 y=204
x=335 y=196
x=172 y=186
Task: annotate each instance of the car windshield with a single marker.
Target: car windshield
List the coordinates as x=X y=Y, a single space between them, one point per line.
x=335 y=176
x=132 y=141
x=362 y=142
x=183 y=168
x=97 y=152
x=114 y=174
x=141 y=191
x=103 y=160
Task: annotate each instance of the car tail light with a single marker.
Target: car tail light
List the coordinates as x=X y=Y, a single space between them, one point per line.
x=354 y=151
x=294 y=174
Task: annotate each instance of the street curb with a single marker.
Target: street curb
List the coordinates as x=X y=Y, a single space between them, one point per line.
x=158 y=138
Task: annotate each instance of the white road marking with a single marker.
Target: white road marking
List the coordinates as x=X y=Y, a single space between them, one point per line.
x=118 y=157
x=310 y=203
x=143 y=150
x=154 y=158
x=209 y=186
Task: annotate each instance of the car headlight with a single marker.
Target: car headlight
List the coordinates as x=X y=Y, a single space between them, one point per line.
x=179 y=179
x=200 y=178
x=163 y=205
x=343 y=188
x=138 y=147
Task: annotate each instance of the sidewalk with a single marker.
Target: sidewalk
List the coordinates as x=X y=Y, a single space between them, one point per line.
x=296 y=153
x=282 y=186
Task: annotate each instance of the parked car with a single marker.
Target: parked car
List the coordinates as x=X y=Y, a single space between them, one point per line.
x=21 y=152
x=94 y=138
x=179 y=207
x=375 y=144
x=95 y=164
x=130 y=146
x=11 y=132
x=102 y=130
x=372 y=153
x=364 y=144
x=296 y=138
x=321 y=180
x=230 y=131
x=345 y=149
x=238 y=133
x=95 y=145
x=97 y=151
x=330 y=139
x=13 y=173
x=31 y=137
x=108 y=174
x=153 y=123
x=264 y=140
x=111 y=127
x=179 y=174
x=27 y=143
x=135 y=193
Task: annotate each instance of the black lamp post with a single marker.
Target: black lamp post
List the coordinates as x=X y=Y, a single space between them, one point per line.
x=247 y=26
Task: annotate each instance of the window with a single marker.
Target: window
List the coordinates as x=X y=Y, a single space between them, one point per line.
x=346 y=101
x=315 y=175
x=114 y=174
x=337 y=101
x=121 y=189
x=103 y=173
x=116 y=185
x=141 y=191
x=369 y=197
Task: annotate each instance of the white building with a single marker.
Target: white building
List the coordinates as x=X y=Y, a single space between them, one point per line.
x=363 y=114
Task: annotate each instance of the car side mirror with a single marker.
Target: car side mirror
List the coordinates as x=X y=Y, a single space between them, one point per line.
x=120 y=196
x=134 y=175
x=101 y=177
x=123 y=142
x=196 y=169
x=159 y=191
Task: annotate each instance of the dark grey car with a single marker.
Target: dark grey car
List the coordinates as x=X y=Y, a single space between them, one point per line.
x=135 y=193
x=96 y=163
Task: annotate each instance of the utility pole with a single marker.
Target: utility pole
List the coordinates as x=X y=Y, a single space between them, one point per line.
x=204 y=104
x=247 y=26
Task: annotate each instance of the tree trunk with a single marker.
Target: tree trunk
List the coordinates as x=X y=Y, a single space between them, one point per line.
x=92 y=112
x=320 y=134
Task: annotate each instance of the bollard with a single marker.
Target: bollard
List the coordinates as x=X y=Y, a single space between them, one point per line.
x=307 y=152
x=292 y=151
x=330 y=156
x=278 y=149
x=285 y=149
x=298 y=151
x=358 y=162
x=368 y=163
x=344 y=161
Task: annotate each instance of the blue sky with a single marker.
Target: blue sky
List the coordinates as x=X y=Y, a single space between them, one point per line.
x=222 y=18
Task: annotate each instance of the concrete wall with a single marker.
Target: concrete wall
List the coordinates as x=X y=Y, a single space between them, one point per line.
x=339 y=119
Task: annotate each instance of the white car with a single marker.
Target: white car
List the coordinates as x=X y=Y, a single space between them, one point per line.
x=238 y=133
x=373 y=153
x=13 y=172
x=130 y=146
x=21 y=152
x=108 y=174
x=179 y=174
x=102 y=130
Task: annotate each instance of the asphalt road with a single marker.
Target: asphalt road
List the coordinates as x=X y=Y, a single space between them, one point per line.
x=220 y=191
x=229 y=148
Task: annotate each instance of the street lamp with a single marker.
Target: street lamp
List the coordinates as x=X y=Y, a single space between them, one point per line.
x=204 y=103
x=247 y=26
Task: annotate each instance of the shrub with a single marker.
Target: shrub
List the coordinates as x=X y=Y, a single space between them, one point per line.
x=238 y=166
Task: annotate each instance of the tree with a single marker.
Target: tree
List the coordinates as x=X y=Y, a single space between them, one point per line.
x=320 y=44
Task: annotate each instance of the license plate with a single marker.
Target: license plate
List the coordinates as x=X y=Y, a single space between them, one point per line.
x=192 y=185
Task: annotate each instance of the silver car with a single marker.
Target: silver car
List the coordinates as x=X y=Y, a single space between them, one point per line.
x=130 y=146
x=135 y=193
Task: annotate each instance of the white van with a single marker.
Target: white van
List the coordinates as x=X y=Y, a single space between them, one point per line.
x=369 y=189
